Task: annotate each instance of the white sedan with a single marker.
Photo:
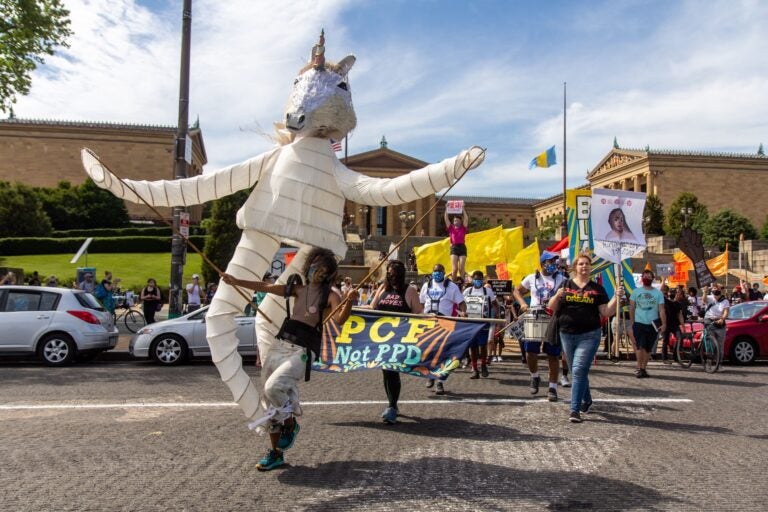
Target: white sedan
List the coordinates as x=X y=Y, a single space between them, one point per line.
x=173 y=341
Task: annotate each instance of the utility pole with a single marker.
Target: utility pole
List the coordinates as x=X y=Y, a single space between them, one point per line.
x=182 y=152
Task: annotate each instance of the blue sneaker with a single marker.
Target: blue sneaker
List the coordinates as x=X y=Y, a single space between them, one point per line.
x=389 y=416
x=271 y=460
x=288 y=436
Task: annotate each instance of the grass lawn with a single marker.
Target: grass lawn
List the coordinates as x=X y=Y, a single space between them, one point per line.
x=133 y=268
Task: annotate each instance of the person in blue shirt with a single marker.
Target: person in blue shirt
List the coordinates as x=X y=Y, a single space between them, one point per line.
x=647 y=314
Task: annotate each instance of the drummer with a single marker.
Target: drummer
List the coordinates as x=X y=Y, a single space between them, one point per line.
x=542 y=285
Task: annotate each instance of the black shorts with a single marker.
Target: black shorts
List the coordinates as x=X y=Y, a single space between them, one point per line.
x=458 y=250
x=645 y=336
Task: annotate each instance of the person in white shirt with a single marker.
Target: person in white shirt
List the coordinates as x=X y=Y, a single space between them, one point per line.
x=195 y=294
x=542 y=286
x=716 y=311
x=481 y=303
x=442 y=297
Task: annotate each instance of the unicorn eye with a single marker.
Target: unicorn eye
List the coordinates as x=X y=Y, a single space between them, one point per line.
x=343 y=85
x=295 y=81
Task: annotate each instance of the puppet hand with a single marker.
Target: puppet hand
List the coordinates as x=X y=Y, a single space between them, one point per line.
x=690 y=244
x=469 y=159
x=352 y=296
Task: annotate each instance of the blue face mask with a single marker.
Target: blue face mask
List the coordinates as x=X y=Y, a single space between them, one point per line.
x=438 y=277
x=550 y=268
x=477 y=283
x=311 y=273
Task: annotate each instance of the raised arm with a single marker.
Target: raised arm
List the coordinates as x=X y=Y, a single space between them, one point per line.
x=447 y=219
x=408 y=187
x=196 y=190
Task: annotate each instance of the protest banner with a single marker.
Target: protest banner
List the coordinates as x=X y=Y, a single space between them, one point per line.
x=617 y=223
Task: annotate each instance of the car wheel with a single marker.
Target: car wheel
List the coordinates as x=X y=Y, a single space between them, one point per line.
x=743 y=351
x=169 y=349
x=56 y=350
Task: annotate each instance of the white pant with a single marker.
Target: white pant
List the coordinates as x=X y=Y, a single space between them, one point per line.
x=282 y=367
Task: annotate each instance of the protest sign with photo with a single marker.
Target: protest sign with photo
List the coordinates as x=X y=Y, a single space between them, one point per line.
x=617 y=223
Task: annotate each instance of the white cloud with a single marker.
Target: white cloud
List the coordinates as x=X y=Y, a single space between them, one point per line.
x=690 y=76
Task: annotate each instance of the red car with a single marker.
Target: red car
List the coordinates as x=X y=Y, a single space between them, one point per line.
x=746 y=337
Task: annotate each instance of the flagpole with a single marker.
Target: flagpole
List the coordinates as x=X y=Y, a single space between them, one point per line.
x=565 y=157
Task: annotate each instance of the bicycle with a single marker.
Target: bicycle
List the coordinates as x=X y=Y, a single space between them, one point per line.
x=703 y=348
x=133 y=318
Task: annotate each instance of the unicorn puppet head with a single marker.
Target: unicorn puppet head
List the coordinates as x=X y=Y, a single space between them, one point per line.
x=320 y=104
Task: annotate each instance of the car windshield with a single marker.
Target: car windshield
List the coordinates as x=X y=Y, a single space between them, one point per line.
x=745 y=310
x=88 y=301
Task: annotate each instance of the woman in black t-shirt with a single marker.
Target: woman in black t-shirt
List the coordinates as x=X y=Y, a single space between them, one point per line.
x=579 y=304
x=396 y=296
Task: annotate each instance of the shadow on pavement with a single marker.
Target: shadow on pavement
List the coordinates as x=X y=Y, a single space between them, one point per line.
x=716 y=379
x=638 y=421
x=449 y=428
x=465 y=482
x=645 y=393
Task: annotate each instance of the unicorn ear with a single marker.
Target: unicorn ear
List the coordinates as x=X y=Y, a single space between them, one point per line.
x=345 y=64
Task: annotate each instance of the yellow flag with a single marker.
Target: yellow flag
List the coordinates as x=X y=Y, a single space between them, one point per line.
x=525 y=262
x=484 y=248
x=514 y=238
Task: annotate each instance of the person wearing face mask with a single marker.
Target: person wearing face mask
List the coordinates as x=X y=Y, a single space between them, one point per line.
x=441 y=296
x=716 y=311
x=648 y=317
x=674 y=313
x=396 y=296
x=289 y=357
x=542 y=286
x=481 y=303
x=151 y=300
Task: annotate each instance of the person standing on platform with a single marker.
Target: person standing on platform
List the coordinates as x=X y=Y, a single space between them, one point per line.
x=457 y=231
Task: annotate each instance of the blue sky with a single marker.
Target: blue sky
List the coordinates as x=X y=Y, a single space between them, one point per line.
x=434 y=76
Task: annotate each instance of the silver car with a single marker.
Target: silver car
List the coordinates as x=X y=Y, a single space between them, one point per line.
x=57 y=324
x=179 y=339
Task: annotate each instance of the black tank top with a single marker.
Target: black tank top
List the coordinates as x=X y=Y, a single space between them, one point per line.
x=394 y=302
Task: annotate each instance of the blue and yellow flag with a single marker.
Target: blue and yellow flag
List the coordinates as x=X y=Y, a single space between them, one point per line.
x=423 y=346
x=546 y=159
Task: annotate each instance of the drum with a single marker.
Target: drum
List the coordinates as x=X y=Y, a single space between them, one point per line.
x=535 y=326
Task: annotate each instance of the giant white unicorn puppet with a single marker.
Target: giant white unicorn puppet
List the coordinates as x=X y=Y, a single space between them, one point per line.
x=298 y=198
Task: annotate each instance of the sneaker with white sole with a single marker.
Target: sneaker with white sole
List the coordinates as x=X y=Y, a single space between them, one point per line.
x=552 y=395
x=535 y=382
x=575 y=417
x=565 y=382
x=273 y=459
x=440 y=389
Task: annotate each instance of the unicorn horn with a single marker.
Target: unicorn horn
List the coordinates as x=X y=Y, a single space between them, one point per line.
x=318 y=52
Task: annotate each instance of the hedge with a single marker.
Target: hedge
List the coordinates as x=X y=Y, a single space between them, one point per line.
x=30 y=246
x=117 y=232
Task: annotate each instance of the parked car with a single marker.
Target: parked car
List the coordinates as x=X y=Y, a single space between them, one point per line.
x=57 y=324
x=746 y=336
x=173 y=341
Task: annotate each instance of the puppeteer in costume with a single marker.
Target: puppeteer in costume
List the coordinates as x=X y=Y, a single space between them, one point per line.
x=299 y=191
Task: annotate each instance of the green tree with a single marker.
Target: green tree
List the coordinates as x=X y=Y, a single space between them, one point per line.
x=764 y=231
x=696 y=220
x=62 y=204
x=29 y=30
x=654 y=215
x=21 y=213
x=100 y=208
x=725 y=227
x=223 y=233
x=549 y=227
x=479 y=224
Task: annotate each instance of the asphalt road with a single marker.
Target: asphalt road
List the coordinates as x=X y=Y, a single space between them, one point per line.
x=134 y=436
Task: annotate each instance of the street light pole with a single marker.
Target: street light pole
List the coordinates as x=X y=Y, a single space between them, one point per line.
x=178 y=245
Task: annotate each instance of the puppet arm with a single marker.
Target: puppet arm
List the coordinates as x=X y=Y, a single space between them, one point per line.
x=416 y=184
x=188 y=191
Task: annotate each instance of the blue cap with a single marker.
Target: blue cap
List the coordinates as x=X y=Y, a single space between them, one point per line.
x=547 y=255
